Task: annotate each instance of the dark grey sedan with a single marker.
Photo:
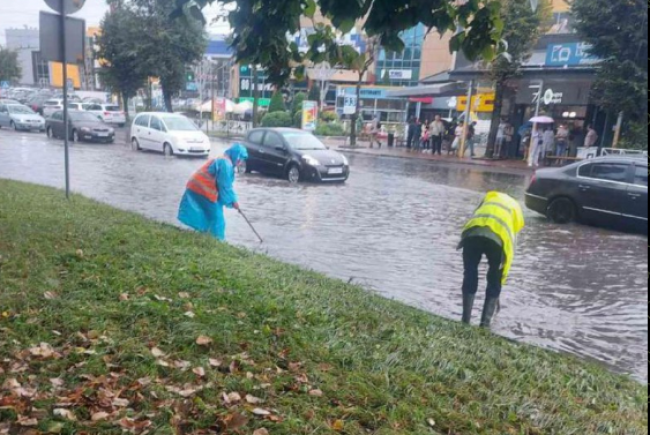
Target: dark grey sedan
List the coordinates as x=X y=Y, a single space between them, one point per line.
x=607 y=191
x=82 y=126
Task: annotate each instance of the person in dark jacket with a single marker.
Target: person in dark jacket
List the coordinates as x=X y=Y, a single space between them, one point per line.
x=411 y=132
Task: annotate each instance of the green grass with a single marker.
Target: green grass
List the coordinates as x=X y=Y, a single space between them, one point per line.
x=281 y=332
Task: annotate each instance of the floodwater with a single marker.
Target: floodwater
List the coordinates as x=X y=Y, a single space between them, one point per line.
x=394 y=228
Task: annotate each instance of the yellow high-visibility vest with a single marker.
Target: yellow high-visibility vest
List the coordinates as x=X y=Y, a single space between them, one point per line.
x=504 y=216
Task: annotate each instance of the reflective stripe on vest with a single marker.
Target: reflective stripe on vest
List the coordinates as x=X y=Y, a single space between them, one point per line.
x=204 y=184
x=499 y=217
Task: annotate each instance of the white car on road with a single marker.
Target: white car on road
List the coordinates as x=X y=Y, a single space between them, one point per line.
x=169 y=133
x=109 y=113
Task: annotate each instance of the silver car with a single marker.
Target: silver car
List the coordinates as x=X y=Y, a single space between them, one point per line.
x=20 y=117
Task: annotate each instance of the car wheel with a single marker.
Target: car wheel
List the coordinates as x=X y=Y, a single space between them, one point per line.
x=135 y=145
x=293 y=174
x=562 y=211
x=168 y=150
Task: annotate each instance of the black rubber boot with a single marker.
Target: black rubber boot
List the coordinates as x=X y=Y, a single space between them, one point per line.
x=491 y=306
x=468 y=306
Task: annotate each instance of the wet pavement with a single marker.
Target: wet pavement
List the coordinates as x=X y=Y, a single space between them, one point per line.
x=394 y=228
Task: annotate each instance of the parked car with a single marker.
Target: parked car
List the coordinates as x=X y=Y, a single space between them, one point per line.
x=295 y=155
x=52 y=105
x=20 y=117
x=82 y=126
x=9 y=101
x=608 y=191
x=169 y=133
x=109 y=113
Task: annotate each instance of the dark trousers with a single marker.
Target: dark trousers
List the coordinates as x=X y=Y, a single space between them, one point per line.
x=411 y=137
x=473 y=250
x=437 y=144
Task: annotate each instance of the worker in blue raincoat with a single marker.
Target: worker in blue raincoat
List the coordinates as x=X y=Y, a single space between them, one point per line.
x=209 y=190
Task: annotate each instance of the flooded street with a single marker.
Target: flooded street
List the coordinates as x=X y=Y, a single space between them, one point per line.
x=394 y=228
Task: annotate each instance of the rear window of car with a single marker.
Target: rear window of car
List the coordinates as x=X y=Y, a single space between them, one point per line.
x=51 y=103
x=641 y=176
x=112 y=108
x=256 y=137
x=609 y=172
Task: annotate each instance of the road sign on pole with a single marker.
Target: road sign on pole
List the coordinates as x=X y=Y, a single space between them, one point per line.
x=69 y=6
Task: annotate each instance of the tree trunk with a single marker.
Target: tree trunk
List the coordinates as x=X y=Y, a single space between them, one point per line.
x=496 y=120
x=167 y=96
x=353 y=128
x=125 y=100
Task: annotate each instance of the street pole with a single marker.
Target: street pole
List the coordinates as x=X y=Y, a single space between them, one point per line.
x=212 y=92
x=468 y=115
x=66 y=139
x=619 y=128
x=538 y=108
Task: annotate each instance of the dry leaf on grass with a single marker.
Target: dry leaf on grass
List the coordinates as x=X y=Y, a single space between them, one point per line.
x=252 y=400
x=316 y=393
x=120 y=403
x=202 y=340
x=261 y=432
x=50 y=295
x=199 y=371
x=65 y=413
x=157 y=353
x=190 y=314
x=27 y=422
x=215 y=362
x=338 y=425
x=261 y=412
x=124 y=297
x=184 y=295
x=99 y=416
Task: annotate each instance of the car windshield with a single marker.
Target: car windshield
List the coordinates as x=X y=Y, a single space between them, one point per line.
x=303 y=142
x=83 y=117
x=178 y=123
x=20 y=110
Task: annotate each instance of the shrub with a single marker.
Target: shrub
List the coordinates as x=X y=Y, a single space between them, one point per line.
x=297 y=102
x=297 y=119
x=329 y=117
x=330 y=129
x=277 y=103
x=277 y=119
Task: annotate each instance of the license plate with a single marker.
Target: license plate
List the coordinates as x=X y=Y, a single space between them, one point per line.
x=335 y=171
x=102 y=134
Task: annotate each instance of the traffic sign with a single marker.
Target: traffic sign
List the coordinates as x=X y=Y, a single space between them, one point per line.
x=4 y=85
x=69 y=6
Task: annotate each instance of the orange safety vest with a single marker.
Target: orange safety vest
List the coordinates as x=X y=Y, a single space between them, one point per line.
x=205 y=184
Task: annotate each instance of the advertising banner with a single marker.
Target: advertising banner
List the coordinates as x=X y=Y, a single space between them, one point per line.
x=309 y=115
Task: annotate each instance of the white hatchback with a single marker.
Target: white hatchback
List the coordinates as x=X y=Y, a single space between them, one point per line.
x=109 y=113
x=169 y=133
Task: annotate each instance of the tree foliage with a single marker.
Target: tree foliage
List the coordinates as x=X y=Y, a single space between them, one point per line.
x=260 y=27
x=277 y=103
x=122 y=70
x=144 y=40
x=522 y=28
x=9 y=66
x=618 y=33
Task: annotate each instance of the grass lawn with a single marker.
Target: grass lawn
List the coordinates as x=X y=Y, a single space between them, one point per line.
x=111 y=322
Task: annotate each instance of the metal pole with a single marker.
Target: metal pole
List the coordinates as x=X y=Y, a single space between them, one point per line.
x=212 y=91
x=66 y=144
x=538 y=107
x=468 y=115
x=619 y=128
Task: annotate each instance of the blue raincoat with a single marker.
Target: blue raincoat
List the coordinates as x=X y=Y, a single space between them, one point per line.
x=198 y=212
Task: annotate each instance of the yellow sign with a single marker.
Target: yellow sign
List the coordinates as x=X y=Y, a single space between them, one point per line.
x=483 y=103
x=56 y=75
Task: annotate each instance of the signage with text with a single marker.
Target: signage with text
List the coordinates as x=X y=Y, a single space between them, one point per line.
x=570 y=54
x=400 y=74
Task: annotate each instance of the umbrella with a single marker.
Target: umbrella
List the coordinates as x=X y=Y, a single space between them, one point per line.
x=542 y=120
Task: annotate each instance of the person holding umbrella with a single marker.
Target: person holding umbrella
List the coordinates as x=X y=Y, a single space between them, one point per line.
x=209 y=190
x=537 y=140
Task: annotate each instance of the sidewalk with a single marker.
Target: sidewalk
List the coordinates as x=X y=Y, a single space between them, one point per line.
x=517 y=165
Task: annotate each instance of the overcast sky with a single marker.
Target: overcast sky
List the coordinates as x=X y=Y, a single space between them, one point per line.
x=21 y=13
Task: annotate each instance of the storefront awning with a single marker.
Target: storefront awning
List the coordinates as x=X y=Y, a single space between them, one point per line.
x=439 y=90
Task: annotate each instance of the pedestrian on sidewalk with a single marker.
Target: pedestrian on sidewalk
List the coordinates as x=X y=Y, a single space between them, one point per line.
x=458 y=137
x=592 y=137
x=549 y=144
x=470 y=142
x=536 y=148
x=437 y=133
x=412 y=126
x=562 y=138
x=425 y=140
x=210 y=190
x=501 y=138
x=509 y=140
x=417 y=135
x=375 y=132
x=491 y=232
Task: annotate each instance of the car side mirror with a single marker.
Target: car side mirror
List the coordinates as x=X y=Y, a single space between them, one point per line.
x=281 y=148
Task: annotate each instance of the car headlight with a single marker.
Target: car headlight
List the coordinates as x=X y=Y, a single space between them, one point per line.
x=346 y=162
x=311 y=161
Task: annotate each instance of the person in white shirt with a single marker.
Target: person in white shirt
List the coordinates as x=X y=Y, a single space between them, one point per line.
x=437 y=133
x=536 y=147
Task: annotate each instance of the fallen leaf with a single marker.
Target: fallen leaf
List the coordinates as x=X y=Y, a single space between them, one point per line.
x=232 y=398
x=316 y=393
x=338 y=425
x=27 y=422
x=190 y=314
x=43 y=350
x=199 y=371
x=11 y=384
x=234 y=421
x=182 y=365
x=261 y=432
x=53 y=428
x=252 y=400
x=56 y=382
x=162 y=363
x=215 y=362
x=157 y=353
x=124 y=297
x=431 y=422
x=261 y=412
x=50 y=295
x=120 y=403
x=202 y=340
x=65 y=413
x=184 y=295
x=99 y=416
x=80 y=253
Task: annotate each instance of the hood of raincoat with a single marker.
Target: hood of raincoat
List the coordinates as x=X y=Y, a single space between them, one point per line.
x=237 y=153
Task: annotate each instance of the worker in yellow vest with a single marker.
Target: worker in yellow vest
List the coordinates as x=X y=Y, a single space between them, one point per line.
x=491 y=232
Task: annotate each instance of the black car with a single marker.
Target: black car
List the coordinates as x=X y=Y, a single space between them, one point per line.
x=607 y=191
x=295 y=155
x=82 y=126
